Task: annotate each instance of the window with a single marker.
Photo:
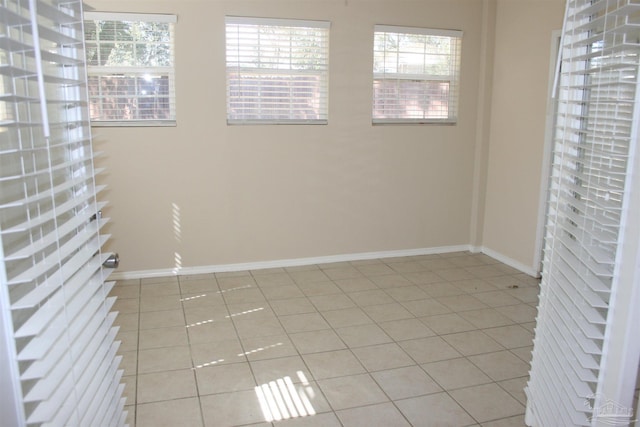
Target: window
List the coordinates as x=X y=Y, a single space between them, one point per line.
x=277 y=71
x=130 y=65
x=416 y=75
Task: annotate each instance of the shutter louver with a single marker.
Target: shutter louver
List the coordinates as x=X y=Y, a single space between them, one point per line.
x=63 y=368
x=595 y=134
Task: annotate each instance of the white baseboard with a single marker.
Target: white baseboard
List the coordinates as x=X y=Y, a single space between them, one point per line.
x=509 y=261
x=294 y=262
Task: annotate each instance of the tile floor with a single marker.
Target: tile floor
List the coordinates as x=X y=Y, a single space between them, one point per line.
x=428 y=340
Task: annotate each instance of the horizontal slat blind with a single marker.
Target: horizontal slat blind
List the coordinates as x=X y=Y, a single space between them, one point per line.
x=130 y=60
x=593 y=140
x=277 y=71
x=416 y=75
x=53 y=293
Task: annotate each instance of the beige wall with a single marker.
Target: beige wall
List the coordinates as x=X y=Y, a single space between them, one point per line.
x=216 y=194
x=260 y=193
x=519 y=102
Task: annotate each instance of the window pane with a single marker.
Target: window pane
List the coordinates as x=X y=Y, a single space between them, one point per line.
x=119 y=98
x=277 y=71
x=410 y=99
x=416 y=75
x=130 y=70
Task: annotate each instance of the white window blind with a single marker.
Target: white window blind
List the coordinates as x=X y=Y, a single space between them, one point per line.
x=277 y=71
x=416 y=75
x=57 y=348
x=583 y=333
x=130 y=63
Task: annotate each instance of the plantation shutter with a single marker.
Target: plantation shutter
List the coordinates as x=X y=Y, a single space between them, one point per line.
x=585 y=355
x=57 y=349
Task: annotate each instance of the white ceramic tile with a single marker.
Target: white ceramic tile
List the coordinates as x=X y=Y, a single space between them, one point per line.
x=391 y=281
x=308 y=276
x=317 y=341
x=501 y=365
x=431 y=349
x=456 y=373
x=485 y=318
x=426 y=307
x=407 y=293
x=346 y=317
x=161 y=319
x=171 y=413
x=167 y=385
x=352 y=391
x=424 y=278
x=272 y=369
x=487 y=402
x=512 y=336
x=269 y=347
x=304 y=322
x=373 y=270
x=333 y=364
x=363 y=335
x=387 y=312
x=231 y=409
x=434 y=410
x=331 y=302
x=401 y=383
x=292 y=306
x=355 y=284
x=406 y=329
x=462 y=303
x=164 y=359
x=370 y=297
x=282 y=292
x=217 y=352
x=472 y=342
x=160 y=303
x=224 y=378
x=159 y=289
x=381 y=415
x=447 y=323
x=382 y=356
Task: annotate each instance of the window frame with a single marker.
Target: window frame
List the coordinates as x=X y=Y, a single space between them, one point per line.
x=136 y=71
x=322 y=72
x=453 y=77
